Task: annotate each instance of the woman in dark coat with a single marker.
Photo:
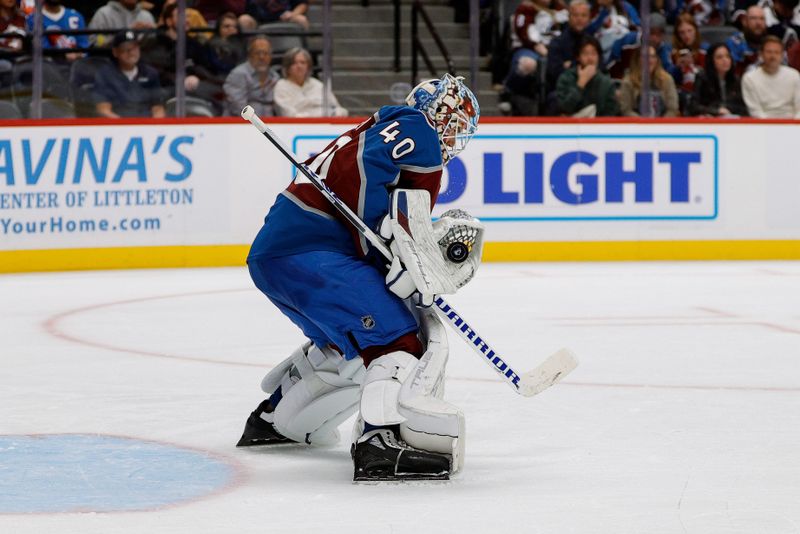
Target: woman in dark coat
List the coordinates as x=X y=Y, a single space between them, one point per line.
x=718 y=91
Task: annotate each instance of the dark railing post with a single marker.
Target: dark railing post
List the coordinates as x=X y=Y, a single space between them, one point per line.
x=645 y=107
x=451 y=68
x=38 y=78
x=414 y=43
x=397 y=12
x=180 y=62
x=474 y=42
x=327 y=54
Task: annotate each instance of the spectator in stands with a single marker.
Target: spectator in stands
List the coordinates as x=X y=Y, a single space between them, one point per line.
x=628 y=46
x=533 y=25
x=688 y=52
x=225 y=49
x=120 y=14
x=159 y=51
x=717 y=89
x=614 y=20
x=253 y=82
x=57 y=17
x=212 y=10
x=583 y=90
x=298 y=94
x=744 y=45
x=793 y=56
x=267 y=11
x=87 y=7
x=12 y=20
x=562 y=50
x=128 y=87
x=27 y=6
x=663 y=95
x=772 y=90
x=788 y=11
x=194 y=19
x=535 y=22
x=783 y=21
x=703 y=12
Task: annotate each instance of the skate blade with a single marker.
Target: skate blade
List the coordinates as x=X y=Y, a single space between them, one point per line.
x=402 y=477
x=256 y=442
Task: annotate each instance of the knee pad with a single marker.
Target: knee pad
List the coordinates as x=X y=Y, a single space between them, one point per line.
x=320 y=390
x=401 y=390
x=526 y=66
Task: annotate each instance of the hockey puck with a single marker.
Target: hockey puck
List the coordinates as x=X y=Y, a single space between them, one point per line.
x=457 y=252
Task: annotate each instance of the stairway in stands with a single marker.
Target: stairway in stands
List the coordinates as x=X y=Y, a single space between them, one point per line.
x=363 y=53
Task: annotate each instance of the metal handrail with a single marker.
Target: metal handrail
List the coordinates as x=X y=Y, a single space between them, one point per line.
x=28 y=39
x=474 y=41
x=397 y=12
x=417 y=48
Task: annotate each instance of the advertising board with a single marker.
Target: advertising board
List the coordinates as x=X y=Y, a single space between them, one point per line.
x=174 y=193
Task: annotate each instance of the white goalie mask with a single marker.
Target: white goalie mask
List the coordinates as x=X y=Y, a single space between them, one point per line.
x=452 y=108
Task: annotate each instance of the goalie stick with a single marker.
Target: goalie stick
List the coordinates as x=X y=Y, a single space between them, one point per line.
x=550 y=371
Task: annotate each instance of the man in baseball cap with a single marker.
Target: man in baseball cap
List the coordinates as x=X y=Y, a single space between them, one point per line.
x=128 y=87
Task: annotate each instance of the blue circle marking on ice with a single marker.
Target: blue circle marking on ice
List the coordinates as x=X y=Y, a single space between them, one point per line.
x=96 y=473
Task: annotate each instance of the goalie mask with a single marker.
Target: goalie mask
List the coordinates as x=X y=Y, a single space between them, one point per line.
x=452 y=108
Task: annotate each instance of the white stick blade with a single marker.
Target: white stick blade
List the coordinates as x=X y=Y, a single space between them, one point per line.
x=549 y=372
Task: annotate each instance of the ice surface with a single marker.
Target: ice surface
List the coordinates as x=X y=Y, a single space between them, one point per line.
x=683 y=417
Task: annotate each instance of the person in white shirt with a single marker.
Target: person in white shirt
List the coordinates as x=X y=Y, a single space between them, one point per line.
x=772 y=91
x=298 y=94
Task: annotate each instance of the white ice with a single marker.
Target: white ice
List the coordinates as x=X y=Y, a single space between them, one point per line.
x=683 y=416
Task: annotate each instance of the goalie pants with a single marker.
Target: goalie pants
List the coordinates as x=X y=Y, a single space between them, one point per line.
x=337 y=299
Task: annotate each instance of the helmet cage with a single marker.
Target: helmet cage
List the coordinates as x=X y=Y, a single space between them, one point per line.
x=455 y=131
x=452 y=108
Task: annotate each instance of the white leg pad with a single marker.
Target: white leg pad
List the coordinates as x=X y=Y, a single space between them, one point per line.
x=431 y=423
x=280 y=373
x=320 y=390
x=399 y=389
x=382 y=384
x=312 y=415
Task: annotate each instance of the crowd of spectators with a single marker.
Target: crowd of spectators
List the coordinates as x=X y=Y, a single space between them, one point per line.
x=583 y=58
x=564 y=58
x=125 y=65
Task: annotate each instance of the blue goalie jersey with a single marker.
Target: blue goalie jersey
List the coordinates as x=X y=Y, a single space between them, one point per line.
x=398 y=147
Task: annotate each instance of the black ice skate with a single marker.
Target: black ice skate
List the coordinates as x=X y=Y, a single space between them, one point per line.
x=257 y=431
x=380 y=456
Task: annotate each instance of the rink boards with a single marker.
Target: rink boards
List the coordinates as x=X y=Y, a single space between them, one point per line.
x=169 y=193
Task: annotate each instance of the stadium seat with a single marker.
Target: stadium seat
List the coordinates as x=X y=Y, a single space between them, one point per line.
x=56 y=108
x=9 y=111
x=53 y=83
x=716 y=34
x=6 y=68
x=81 y=84
x=195 y=107
x=282 y=43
